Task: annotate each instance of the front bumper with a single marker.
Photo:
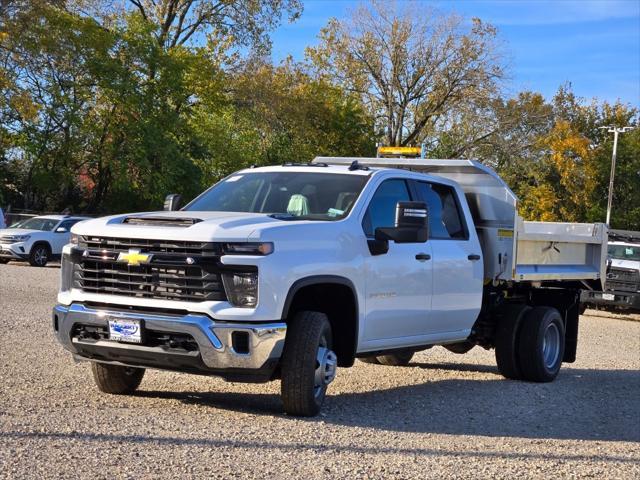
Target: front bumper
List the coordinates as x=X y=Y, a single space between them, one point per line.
x=15 y=251
x=613 y=297
x=262 y=343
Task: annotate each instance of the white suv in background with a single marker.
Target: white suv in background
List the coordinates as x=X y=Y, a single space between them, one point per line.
x=37 y=240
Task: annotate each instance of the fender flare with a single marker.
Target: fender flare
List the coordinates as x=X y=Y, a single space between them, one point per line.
x=41 y=242
x=320 y=279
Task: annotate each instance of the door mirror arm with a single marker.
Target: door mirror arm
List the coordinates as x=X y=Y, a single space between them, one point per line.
x=378 y=246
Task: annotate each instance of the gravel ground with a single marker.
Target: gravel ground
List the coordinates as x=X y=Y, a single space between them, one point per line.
x=444 y=415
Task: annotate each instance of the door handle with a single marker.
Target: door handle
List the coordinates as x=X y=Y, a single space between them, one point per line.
x=474 y=257
x=423 y=257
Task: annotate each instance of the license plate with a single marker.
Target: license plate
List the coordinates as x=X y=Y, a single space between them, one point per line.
x=125 y=330
x=608 y=296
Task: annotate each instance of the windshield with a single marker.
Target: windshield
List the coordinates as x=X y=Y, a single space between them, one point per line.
x=290 y=195
x=37 y=223
x=625 y=252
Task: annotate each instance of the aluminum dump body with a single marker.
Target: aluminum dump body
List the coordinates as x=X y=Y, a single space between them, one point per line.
x=513 y=249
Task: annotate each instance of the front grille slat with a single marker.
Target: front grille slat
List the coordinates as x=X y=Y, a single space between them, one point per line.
x=151 y=285
x=111 y=272
x=187 y=271
x=623 y=280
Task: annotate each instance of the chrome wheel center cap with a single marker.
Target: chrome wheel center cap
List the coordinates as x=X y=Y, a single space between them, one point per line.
x=327 y=362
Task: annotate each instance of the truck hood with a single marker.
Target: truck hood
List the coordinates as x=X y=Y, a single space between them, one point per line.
x=196 y=226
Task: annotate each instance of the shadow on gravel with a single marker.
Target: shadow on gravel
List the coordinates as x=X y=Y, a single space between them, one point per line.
x=150 y=440
x=248 y=403
x=579 y=405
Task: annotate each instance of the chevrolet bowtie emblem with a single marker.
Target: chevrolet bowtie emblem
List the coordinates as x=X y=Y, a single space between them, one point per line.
x=134 y=257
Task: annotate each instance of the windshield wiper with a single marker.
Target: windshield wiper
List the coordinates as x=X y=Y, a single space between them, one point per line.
x=282 y=216
x=288 y=216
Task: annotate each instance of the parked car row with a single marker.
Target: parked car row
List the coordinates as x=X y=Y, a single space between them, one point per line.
x=37 y=240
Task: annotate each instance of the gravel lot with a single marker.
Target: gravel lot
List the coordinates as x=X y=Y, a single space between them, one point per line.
x=444 y=415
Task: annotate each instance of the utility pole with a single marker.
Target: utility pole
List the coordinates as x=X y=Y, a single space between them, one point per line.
x=615 y=131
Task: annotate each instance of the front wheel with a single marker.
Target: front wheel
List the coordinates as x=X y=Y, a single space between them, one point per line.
x=39 y=255
x=308 y=364
x=116 y=379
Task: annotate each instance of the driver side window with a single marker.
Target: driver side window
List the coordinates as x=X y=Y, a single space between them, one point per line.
x=382 y=207
x=67 y=224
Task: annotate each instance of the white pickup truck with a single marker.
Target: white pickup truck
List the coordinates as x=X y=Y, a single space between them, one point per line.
x=288 y=272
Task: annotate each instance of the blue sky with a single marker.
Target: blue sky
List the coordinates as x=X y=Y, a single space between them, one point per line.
x=594 y=44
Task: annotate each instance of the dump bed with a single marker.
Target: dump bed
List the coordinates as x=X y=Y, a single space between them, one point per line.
x=514 y=250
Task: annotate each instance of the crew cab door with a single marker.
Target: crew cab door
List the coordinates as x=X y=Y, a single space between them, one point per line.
x=456 y=260
x=399 y=282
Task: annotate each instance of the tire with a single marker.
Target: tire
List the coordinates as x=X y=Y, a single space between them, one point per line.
x=115 y=379
x=308 y=364
x=398 y=359
x=541 y=344
x=39 y=255
x=506 y=341
x=460 y=347
x=373 y=360
x=3 y=261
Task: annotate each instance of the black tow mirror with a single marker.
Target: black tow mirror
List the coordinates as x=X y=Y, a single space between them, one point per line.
x=412 y=224
x=172 y=202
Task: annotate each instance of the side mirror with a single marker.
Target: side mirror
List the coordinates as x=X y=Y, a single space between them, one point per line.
x=172 y=202
x=61 y=230
x=412 y=224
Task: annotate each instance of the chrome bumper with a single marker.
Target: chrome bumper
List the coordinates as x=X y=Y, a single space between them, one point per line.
x=214 y=338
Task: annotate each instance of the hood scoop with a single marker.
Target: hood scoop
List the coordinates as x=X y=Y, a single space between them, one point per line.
x=162 y=221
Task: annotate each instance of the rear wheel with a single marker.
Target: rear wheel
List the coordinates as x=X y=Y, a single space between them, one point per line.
x=308 y=364
x=116 y=379
x=3 y=261
x=39 y=255
x=397 y=359
x=541 y=344
x=506 y=341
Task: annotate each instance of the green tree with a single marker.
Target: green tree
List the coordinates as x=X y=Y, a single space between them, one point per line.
x=281 y=114
x=417 y=72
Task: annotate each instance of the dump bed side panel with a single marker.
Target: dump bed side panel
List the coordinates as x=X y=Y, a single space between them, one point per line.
x=560 y=251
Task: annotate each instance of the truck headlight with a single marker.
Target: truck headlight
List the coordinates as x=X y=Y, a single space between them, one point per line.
x=73 y=239
x=241 y=288
x=248 y=248
x=66 y=273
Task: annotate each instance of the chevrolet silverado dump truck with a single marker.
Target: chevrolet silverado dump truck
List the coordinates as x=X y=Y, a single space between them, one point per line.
x=289 y=272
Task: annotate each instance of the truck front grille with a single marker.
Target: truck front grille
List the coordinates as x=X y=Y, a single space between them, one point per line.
x=186 y=271
x=622 y=279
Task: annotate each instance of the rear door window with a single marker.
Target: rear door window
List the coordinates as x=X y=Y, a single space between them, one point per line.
x=445 y=215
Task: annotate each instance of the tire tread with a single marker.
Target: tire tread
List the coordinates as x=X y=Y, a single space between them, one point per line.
x=298 y=362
